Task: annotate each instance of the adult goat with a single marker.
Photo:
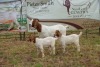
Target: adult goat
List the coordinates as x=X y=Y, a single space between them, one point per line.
x=45 y=31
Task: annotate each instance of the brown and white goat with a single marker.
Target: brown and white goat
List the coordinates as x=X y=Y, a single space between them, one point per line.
x=40 y=43
x=69 y=39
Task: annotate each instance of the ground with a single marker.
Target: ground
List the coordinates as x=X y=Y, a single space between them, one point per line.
x=16 y=53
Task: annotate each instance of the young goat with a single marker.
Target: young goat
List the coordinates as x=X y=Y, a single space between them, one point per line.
x=69 y=39
x=45 y=42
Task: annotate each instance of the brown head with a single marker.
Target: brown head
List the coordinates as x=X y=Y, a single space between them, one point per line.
x=32 y=38
x=57 y=33
x=36 y=25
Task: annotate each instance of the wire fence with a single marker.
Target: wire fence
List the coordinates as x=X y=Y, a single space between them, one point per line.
x=24 y=35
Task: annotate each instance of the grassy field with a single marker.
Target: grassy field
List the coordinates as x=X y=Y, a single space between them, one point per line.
x=23 y=54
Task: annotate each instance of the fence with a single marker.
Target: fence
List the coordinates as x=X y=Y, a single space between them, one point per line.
x=24 y=35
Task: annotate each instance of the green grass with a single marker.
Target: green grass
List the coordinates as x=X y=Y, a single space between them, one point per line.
x=23 y=54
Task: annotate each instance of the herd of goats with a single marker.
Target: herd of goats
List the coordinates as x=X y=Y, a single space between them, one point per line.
x=48 y=35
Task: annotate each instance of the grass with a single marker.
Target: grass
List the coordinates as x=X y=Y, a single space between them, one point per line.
x=23 y=54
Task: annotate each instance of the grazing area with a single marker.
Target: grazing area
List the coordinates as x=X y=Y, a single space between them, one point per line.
x=16 y=53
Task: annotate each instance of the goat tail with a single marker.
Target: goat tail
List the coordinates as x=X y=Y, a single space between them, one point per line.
x=80 y=34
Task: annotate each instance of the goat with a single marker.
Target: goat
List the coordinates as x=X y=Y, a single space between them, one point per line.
x=45 y=31
x=69 y=39
x=40 y=43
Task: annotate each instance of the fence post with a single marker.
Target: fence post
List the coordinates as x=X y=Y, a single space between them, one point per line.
x=20 y=36
x=24 y=36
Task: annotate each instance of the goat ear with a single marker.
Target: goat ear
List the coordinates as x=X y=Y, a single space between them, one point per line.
x=33 y=22
x=39 y=27
x=34 y=40
x=58 y=33
x=29 y=38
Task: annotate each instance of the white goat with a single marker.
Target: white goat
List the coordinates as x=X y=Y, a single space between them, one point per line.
x=69 y=39
x=45 y=42
x=45 y=31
